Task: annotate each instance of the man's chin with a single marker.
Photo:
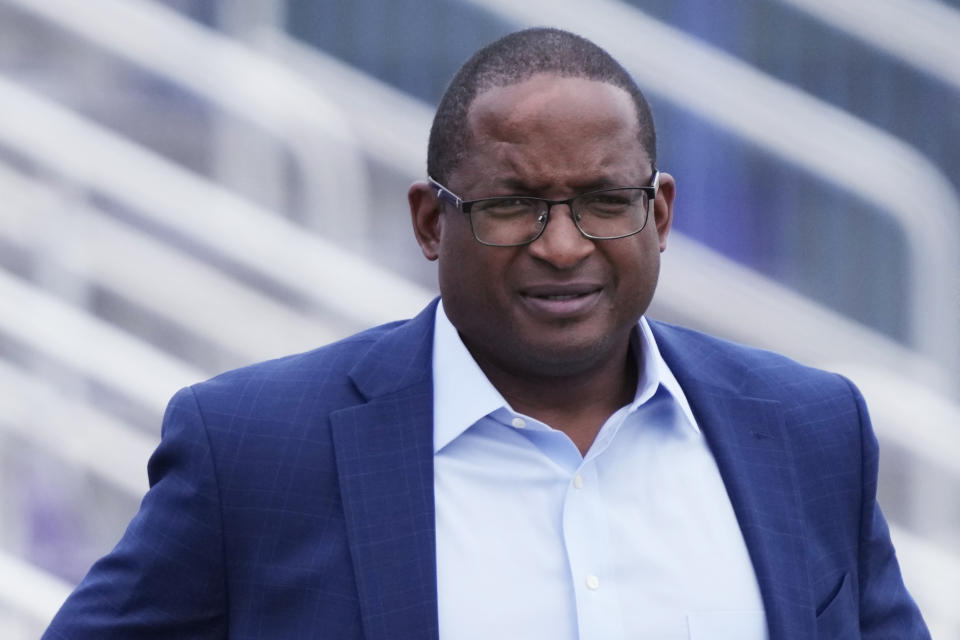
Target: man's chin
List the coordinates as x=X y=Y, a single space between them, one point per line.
x=574 y=355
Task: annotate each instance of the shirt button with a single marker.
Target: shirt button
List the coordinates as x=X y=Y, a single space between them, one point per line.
x=578 y=481
x=519 y=423
x=593 y=583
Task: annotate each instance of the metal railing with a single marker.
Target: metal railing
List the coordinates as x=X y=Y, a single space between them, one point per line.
x=67 y=235
x=235 y=79
x=83 y=343
x=33 y=593
x=95 y=441
x=187 y=205
x=922 y=33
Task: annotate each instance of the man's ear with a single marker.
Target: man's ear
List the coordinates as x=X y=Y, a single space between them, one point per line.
x=663 y=208
x=425 y=215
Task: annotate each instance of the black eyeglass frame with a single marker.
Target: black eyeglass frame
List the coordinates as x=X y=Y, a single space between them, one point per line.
x=464 y=206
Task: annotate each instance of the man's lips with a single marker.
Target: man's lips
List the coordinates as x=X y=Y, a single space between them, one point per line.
x=561 y=300
x=566 y=290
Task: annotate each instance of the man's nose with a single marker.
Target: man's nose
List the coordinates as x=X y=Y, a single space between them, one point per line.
x=561 y=243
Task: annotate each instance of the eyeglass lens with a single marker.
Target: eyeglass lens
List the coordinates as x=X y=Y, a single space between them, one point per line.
x=602 y=214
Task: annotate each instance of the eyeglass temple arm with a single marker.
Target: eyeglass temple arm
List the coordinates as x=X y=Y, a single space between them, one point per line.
x=445 y=194
x=656 y=189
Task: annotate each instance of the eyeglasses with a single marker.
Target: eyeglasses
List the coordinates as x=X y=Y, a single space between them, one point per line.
x=512 y=221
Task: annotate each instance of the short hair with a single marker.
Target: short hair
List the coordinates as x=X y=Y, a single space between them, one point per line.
x=515 y=58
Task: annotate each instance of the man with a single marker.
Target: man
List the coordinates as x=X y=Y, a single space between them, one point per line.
x=529 y=457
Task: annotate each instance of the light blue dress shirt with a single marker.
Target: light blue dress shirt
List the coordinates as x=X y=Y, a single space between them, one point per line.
x=636 y=539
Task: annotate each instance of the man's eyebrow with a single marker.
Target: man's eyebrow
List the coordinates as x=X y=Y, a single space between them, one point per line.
x=517 y=186
x=600 y=183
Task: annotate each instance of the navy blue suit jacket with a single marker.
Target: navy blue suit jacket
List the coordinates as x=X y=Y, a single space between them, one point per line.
x=294 y=499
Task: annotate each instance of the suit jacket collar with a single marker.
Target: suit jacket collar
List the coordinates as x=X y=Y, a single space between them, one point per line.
x=747 y=438
x=384 y=453
x=400 y=358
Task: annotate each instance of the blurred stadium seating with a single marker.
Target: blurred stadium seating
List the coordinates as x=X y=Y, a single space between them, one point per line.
x=167 y=168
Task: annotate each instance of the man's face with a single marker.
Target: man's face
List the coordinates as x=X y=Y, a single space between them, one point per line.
x=562 y=304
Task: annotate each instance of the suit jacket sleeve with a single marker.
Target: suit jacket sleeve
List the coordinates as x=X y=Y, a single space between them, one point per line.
x=886 y=608
x=165 y=578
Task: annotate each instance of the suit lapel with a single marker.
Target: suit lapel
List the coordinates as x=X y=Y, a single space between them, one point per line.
x=384 y=451
x=746 y=436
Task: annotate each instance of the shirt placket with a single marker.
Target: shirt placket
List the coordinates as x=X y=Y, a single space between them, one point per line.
x=586 y=539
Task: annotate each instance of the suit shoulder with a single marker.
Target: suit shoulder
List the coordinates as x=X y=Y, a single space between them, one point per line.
x=750 y=370
x=327 y=366
x=816 y=406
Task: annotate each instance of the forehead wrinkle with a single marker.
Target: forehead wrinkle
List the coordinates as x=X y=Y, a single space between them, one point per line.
x=541 y=175
x=518 y=166
x=541 y=116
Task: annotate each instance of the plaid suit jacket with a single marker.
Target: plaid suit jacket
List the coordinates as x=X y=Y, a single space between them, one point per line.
x=294 y=499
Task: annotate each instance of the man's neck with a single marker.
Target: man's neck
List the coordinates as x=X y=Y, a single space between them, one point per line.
x=577 y=404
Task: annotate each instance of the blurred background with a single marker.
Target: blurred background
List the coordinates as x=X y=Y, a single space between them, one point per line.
x=190 y=185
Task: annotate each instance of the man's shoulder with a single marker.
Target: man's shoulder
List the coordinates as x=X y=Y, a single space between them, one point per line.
x=815 y=405
x=324 y=375
x=749 y=370
x=711 y=348
x=337 y=356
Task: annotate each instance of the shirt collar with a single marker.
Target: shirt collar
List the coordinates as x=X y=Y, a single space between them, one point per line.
x=655 y=372
x=462 y=394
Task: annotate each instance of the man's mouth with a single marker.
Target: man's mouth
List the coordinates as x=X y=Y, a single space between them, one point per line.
x=561 y=301
x=561 y=296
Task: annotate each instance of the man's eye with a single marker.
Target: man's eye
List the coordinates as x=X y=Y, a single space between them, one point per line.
x=607 y=204
x=505 y=207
